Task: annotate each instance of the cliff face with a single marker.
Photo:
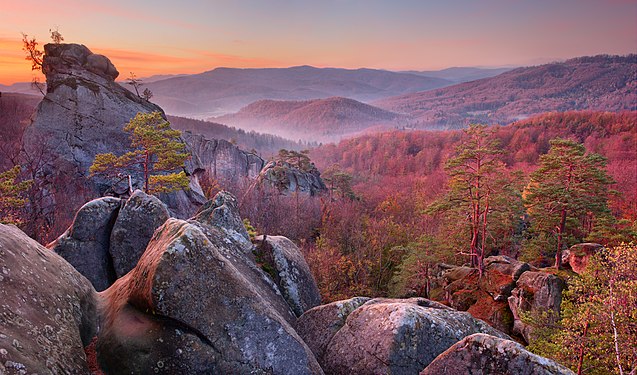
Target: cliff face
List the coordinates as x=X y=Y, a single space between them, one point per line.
x=83 y=114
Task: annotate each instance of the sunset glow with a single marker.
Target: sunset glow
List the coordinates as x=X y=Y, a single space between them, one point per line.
x=162 y=37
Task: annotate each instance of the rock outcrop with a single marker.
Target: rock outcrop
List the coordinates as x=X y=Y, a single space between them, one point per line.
x=83 y=114
x=109 y=235
x=47 y=309
x=538 y=295
x=577 y=256
x=391 y=336
x=289 y=179
x=222 y=160
x=481 y=354
x=290 y=271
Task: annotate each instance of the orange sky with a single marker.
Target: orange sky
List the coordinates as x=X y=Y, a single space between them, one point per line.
x=170 y=37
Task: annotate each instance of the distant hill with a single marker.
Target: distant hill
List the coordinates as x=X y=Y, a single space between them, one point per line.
x=607 y=83
x=226 y=90
x=22 y=88
x=462 y=74
x=321 y=119
x=265 y=145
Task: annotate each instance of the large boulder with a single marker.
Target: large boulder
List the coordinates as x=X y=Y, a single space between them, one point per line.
x=136 y=222
x=47 y=309
x=185 y=283
x=537 y=295
x=398 y=337
x=87 y=241
x=318 y=325
x=290 y=271
x=577 y=256
x=481 y=354
x=222 y=212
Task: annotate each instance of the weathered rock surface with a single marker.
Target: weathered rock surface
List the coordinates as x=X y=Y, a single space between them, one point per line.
x=290 y=179
x=291 y=272
x=87 y=241
x=136 y=222
x=318 y=325
x=83 y=114
x=184 y=280
x=480 y=354
x=47 y=309
x=222 y=160
x=577 y=256
x=222 y=212
x=537 y=294
x=397 y=337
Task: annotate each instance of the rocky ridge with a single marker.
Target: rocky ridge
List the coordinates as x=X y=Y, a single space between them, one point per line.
x=198 y=301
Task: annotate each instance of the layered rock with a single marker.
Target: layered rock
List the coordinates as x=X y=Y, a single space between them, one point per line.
x=290 y=271
x=222 y=160
x=394 y=336
x=47 y=309
x=480 y=354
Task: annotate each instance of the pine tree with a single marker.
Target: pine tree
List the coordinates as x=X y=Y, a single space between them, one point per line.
x=478 y=187
x=569 y=185
x=158 y=155
x=11 y=200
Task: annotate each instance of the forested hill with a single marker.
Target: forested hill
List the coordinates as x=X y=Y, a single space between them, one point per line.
x=399 y=158
x=606 y=83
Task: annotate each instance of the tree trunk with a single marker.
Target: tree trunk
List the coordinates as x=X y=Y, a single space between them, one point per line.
x=580 y=360
x=146 y=173
x=560 y=232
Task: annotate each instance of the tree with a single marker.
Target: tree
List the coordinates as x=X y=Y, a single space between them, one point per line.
x=477 y=183
x=569 y=185
x=135 y=82
x=11 y=191
x=34 y=55
x=598 y=327
x=147 y=94
x=158 y=155
x=56 y=37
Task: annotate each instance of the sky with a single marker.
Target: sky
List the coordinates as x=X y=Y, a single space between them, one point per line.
x=191 y=36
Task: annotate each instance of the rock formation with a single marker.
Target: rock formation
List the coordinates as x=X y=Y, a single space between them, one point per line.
x=199 y=300
x=577 y=256
x=83 y=114
x=290 y=271
x=481 y=354
x=538 y=295
x=384 y=336
x=108 y=236
x=288 y=178
x=47 y=309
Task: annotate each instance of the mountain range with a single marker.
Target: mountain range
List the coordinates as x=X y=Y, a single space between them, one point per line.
x=226 y=90
x=606 y=83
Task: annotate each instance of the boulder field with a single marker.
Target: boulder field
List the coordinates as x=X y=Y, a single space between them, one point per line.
x=193 y=297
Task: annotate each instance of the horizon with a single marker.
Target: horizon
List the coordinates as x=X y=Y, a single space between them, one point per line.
x=162 y=38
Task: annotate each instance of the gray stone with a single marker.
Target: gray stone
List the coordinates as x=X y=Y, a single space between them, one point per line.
x=47 y=309
x=291 y=272
x=538 y=294
x=577 y=256
x=481 y=354
x=397 y=337
x=134 y=227
x=185 y=280
x=318 y=325
x=222 y=212
x=86 y=243
x=289 y=179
